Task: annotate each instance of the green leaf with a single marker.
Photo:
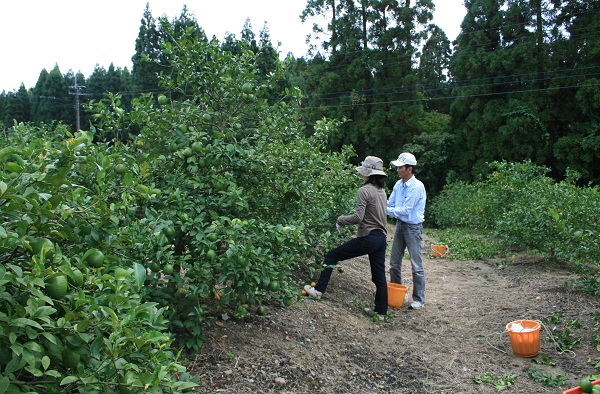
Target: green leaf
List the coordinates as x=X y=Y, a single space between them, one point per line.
x=4 y=383
x=45 y=362
x=21 y=321
x=139 y=274
x=68 y=380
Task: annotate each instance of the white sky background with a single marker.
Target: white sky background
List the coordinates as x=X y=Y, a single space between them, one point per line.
x=79 y=34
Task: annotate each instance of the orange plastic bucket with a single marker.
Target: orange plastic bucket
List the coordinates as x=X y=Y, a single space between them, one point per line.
x=524 y=337
x=439 y=250
x=396 y=293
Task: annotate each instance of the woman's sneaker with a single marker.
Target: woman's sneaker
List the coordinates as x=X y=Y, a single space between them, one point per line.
x=311 y=291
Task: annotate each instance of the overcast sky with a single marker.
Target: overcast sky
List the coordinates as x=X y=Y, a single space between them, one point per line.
x=78 y=34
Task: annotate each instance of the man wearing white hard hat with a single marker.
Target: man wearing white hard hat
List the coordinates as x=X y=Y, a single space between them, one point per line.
x=407 y=206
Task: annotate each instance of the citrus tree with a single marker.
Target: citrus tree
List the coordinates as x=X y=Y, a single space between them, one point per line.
x=239 y=200
x=119 y=243
x=72 y=317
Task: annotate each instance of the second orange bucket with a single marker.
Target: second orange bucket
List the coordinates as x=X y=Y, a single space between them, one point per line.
x=396 y=293
x=439 y=250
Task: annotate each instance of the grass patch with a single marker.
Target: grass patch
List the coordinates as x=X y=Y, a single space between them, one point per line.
x=466 y=245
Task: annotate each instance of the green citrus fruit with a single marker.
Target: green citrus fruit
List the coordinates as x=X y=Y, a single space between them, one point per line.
x=221 y=186
x=247 y=88
x=241 y=312
x=187 y=152
x=56 y=286
x=41 y=243
x=182 y=128
x=586 y=386
x=211 y=255
x=162 y=99
x=197 y=147
x=120 y=168
x=287 y=301
x=94 y=258
x=169 y=231
x=154 y=267
x=168 y=269
x=75 y=278
x=207 y=118
x=217 y=269
x=242 y=262
x=274 y=285
x=70 y=359
x=212 y=237
x=340 y=270
x=261 y=310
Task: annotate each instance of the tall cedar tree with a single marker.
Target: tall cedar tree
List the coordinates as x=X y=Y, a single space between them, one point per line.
x=369 y=76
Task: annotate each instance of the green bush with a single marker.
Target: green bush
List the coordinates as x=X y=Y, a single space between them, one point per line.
x=66 y=326
x=520 y=205
x=247 y=198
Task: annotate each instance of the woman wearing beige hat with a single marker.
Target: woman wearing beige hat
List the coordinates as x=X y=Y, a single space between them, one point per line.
x=371 y=217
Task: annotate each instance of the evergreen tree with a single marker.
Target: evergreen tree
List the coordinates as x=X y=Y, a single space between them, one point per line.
x=147 y=53
x=434 y=65
x=14 y=107
x=577 y=104
x=21 y=107
x=53 y=102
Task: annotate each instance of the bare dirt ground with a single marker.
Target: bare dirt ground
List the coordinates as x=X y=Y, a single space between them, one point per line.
x=331 y=346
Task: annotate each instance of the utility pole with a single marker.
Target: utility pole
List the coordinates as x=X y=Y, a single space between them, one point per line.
x=77 y=93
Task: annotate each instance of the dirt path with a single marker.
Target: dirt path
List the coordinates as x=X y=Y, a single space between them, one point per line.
x=331 y=346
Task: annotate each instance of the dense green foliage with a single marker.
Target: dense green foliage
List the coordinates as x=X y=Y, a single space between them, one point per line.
x=71 y=320
x=520 y=205
x=202 y=201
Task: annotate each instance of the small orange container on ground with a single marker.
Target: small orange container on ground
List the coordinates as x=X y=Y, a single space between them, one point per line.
x=396 y=293
x=439 y=250
x=577 y=390
x=525 y=343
